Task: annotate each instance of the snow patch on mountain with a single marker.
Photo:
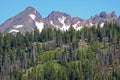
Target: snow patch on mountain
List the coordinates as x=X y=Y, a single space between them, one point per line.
x=17 y=26
x=39 y=25
x=64 y=27
x=13 y=31
x=33 y=16
x=51 y=22
x=101 y=25
x=77 y=27
x=91 y=24
x=62 y=20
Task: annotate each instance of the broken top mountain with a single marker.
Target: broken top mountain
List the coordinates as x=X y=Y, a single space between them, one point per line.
x=29 y=19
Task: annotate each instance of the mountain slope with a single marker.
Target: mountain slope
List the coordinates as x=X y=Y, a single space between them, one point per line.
x=23 y=22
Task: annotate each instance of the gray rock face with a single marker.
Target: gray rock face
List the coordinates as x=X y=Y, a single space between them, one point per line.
x=113 y=15
x=29 y=19
x=76 y=19
x=23 y=19
x=56 y=15
x=60 y=19
x=104 y=17
x=118 y=20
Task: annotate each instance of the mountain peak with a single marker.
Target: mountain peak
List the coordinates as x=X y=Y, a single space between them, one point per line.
x=22 y=22
x=30 y=8
x=103 y=14
x=113 y=14
x=58 y=13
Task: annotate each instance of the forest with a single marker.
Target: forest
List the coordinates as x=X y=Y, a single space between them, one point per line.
x=89 y=54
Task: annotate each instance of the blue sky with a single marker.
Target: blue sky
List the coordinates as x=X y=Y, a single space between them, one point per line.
x=76 y=8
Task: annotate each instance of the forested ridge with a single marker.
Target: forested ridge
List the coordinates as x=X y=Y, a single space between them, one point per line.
x=88 y=54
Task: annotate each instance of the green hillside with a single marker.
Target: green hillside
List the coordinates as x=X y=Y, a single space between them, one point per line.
x=88 y=54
